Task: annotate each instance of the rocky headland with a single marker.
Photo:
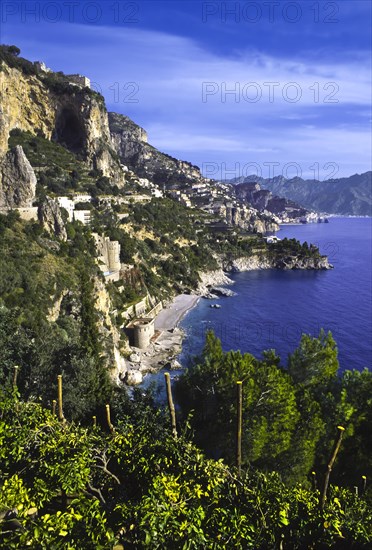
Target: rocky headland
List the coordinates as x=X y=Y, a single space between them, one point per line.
x=168 y=229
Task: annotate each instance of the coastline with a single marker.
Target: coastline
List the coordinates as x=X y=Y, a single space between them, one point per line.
x=167 y=344
x=169 y=317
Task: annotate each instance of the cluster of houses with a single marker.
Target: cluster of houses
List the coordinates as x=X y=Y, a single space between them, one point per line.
x=202 y=194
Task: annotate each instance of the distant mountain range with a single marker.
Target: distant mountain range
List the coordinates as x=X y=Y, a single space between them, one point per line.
x=346 y=196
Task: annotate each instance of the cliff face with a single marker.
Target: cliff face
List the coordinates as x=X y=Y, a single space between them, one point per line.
x=264 y=200
x=25 y=104
x=248 y=218
x=50 y=216
x=130 y=143
x=264 y=261
x=70 y=115
x=254 y=262
x=113 y=351
x=17 y=181
x=344 y=196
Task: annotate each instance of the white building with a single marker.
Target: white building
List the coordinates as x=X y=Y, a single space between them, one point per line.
x=67 y=204
x=81 y=197
x=83 y=216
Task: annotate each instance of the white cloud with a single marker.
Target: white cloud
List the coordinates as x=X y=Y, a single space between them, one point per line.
x=167 y=98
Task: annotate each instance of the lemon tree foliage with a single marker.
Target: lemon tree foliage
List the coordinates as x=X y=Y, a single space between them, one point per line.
x=68 y=487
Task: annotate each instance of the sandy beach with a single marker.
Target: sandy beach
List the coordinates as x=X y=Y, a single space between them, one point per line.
x=171 y=315
x=167 y=345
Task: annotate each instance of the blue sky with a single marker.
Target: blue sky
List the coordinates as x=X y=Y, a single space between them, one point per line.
x=265 y=87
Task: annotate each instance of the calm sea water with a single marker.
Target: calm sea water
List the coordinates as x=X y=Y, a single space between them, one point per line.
x=273 y=308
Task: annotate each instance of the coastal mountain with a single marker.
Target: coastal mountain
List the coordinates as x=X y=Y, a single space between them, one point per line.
x=264 y=201
x=99 y=228
x=98 y=232
x=345 y=196
x=182 y=180
x=130 y=142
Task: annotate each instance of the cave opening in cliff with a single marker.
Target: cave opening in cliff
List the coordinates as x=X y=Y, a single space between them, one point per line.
x=69 y=130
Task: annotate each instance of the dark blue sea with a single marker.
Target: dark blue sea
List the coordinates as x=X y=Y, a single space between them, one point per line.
x=273 y=308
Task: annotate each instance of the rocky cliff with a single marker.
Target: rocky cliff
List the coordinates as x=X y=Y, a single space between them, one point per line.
x=17 y=180
x=257 y=261
x=263 y=261
x=264 y=200
x=46 y=104
x=50 y=217
x=248 y=218
x=130 y=143
x=344 y=196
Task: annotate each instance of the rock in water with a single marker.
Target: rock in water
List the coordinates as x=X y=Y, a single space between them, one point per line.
x=18 y=181
x=133 y=377
x=51 y=218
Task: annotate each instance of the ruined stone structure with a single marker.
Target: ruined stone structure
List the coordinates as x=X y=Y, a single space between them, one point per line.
x=141 y=331
x=79 y=79
x=41 y=67
x=109 y=253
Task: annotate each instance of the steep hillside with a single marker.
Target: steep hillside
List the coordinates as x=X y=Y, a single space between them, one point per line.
x=347 y=196
x=130 y=143
x=49 y=105
x=97 y=228
x=264 y=200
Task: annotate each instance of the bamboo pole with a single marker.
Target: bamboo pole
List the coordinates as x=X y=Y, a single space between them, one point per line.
x=60 y=400
x=239 y=387
x=54 y=406
x=94 y=421
x=330 y=465
x=108 y=417
x=15 y=375
x=172 y=410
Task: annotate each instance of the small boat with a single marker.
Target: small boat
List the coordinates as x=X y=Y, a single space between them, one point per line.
x=216 y=306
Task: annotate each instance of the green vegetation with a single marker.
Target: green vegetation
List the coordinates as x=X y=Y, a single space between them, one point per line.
x=10 y=55
x=58 y=170
x=294 y=248
x=56 y=82
x=64 y=486
x=289 y=414
x=179 y=247
x=39 y=273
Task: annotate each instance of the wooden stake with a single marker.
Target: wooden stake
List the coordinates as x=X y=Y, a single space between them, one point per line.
x=60 y=402
x=15 y=376
x=54 y=406
x=330 y=465
x=239 y=387
x=172 y=410
x=108 y=416
x=314 y=481
x=364 y=478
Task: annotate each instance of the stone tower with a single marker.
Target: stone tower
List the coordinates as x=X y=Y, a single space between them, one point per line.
x=113 y=255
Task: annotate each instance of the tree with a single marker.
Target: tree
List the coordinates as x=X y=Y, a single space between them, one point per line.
x=314 y=363
x=270 y=414
x=13 y=50
x=355 y=458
